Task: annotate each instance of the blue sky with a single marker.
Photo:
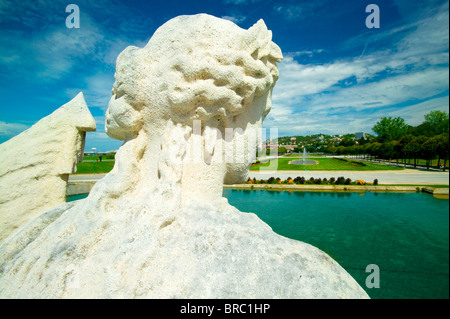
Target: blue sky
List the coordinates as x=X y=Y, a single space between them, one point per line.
x=337 y=75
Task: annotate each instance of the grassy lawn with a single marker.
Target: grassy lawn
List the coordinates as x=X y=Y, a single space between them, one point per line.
x=423 y=162
x=325 y=164
x=94 y=167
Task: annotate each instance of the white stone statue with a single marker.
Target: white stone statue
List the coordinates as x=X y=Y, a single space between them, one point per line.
x=35 y=165
x=157 y=225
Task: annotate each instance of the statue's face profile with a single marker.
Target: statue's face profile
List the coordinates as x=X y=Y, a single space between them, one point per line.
x=123 y=120
x=205 y=69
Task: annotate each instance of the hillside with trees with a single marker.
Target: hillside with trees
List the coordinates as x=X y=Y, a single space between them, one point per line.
x=396 y=140
x=426 y=144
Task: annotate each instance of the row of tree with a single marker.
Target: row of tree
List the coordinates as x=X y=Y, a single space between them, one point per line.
x=404 y=143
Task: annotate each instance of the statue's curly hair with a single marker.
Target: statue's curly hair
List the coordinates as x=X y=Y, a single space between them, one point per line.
x=223 y=82
x=217 y=73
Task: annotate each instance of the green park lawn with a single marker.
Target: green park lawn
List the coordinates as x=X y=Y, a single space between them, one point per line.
x=324 y=164
x=93 y=167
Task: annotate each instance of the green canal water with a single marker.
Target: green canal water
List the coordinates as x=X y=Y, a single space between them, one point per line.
x=405 y=234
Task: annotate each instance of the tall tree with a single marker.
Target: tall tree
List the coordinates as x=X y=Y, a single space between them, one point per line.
x=389 y=129
x=442 y=147
x=414 y=147
x=437 y=122
x=282 y=150
x=374 y=149
x=429 y=150
x=387 y=150
x=347 y=141
x=402 y=149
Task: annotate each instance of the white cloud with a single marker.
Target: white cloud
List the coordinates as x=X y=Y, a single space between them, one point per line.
x=101 y=142
x=49 y=54
x=389 y=91
x=50 y=51
x=32 y=13
x=308 y=53
x=235 y=18
x=98 y=90
x=414 y=114
x=291 y=12
x=351 y=94
x=11 y=129
x=314 y=122
x=298 y=11
x=298 y=80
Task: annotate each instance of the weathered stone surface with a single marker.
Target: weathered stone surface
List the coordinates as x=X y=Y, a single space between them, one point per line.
x=157 y=225
x=35 y=165
x=202 y=251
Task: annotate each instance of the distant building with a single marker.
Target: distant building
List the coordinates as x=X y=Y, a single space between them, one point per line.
x=360 y=135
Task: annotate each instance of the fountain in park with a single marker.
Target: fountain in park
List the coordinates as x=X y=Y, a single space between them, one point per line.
x=303 y=161
x=157 y=225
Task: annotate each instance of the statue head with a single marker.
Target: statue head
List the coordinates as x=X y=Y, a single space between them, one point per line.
x=194 y=68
